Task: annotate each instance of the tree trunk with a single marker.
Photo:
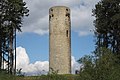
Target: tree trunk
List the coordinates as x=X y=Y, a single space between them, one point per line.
x=11 y=52
x=0 y=51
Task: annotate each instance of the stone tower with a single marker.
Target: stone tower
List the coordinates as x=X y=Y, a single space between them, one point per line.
x=60 y=39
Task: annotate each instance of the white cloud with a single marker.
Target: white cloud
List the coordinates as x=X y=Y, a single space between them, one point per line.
x=75 y=65
x=39 y=67
x=81 y=11
x=27 y=67
x=83 y=33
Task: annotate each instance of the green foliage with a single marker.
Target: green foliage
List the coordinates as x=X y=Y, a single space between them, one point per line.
x=101 y=66
x=12 y=13
x=105 y=63
x=107 y=24
x=5 y=76
x=53 y=72
x=49 y=77
x=53 y=75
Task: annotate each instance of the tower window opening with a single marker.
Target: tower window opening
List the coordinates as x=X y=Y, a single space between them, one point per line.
x=52 y=15
x=67 y=15
x=51 y=9
x=49 y=17
x=66 y=33
x=66 y=9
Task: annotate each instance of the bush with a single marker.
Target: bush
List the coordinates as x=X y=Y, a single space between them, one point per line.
x=5 y=76
x=102 y=66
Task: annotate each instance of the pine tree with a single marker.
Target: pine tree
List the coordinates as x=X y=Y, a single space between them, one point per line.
x=11 y=16
x=107 y=24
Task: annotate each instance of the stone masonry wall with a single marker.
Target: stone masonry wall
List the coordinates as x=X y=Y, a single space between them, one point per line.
x=60 y=39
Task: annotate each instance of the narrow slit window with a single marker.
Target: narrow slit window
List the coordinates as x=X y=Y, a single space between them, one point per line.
x=49 y=17
x=66 y=33
x=52 y=15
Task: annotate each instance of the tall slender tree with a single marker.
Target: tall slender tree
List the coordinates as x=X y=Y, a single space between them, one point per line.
x=11 y=14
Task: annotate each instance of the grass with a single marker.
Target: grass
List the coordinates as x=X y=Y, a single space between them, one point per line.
x=42 y=77
x=54 y=76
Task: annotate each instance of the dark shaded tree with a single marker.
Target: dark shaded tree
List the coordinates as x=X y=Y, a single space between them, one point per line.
x=107 y=24
x=104 y=63
x=100 y=66
x=11 y=17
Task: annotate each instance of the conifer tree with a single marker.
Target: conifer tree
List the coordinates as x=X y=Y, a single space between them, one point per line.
x=11 y=17
x=107 y=24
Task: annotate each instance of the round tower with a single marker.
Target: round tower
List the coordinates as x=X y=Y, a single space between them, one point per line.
x=60 y=40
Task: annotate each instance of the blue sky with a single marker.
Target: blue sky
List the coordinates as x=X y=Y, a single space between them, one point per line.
x=37 y=46
x=33 y=41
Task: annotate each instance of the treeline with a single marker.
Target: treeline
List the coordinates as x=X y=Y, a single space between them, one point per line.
x=104 y=62
x=107 y=25
x=11 y=16
x=102 y=65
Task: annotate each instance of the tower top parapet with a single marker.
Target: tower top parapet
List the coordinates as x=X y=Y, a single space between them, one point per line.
x=60 y=7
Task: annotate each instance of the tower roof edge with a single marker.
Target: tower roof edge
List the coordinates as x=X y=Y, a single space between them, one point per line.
x=60 y=7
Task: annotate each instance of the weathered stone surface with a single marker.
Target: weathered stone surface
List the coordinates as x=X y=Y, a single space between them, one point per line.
x=60 y=39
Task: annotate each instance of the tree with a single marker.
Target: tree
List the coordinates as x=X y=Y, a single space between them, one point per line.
x=100 y=66
x=11 y=15
x=103 y=64
x=107 y=24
